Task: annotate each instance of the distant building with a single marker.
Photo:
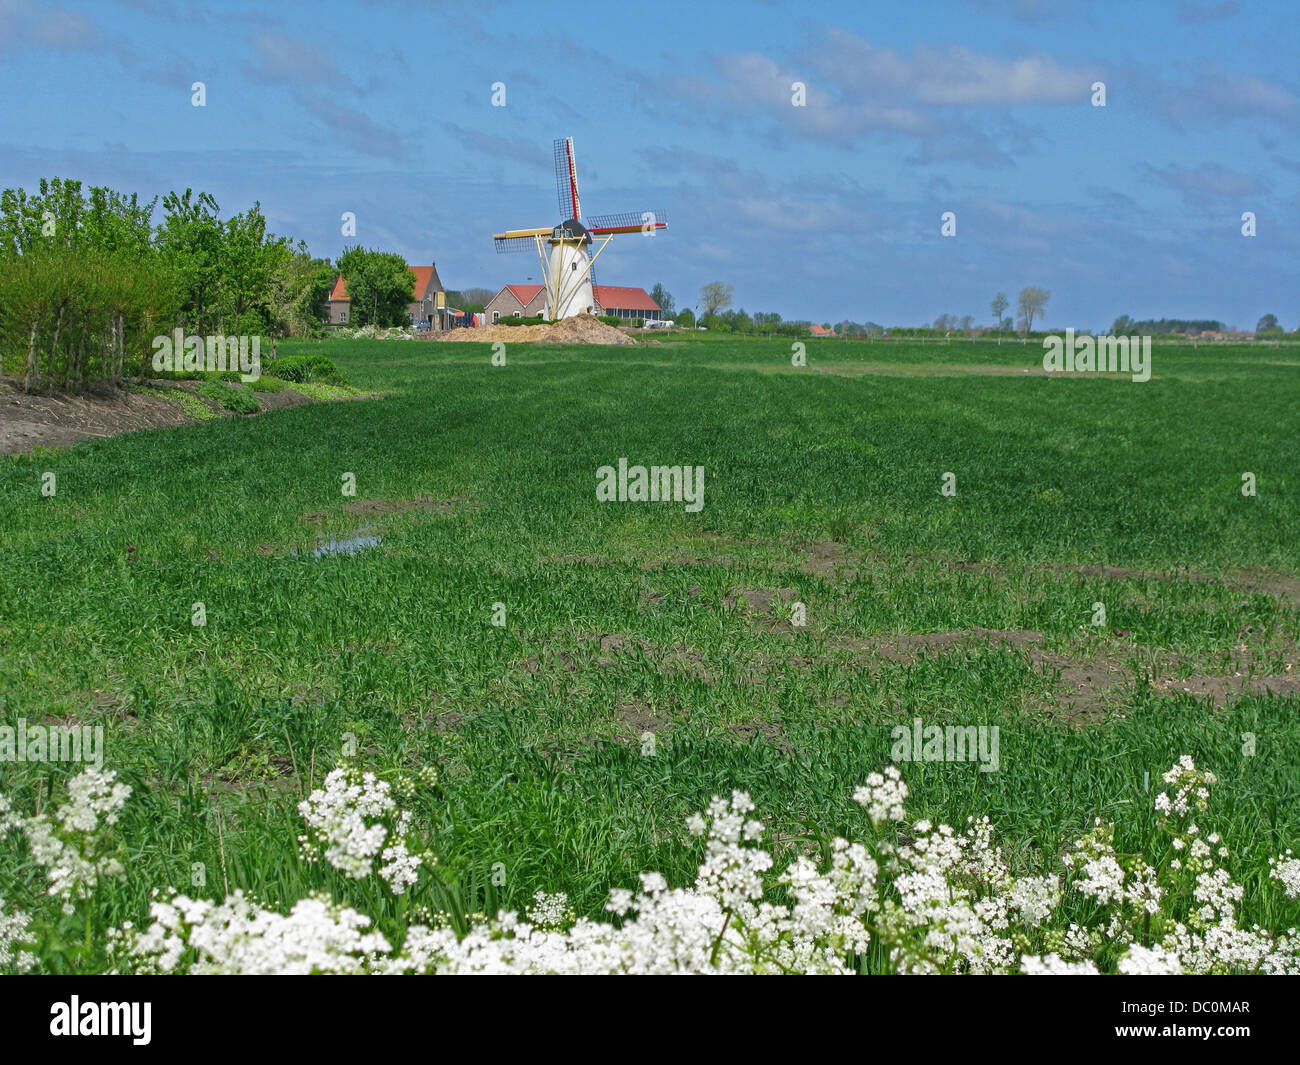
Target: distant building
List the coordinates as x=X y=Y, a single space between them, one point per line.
x=819 y=331
x=529 y=301
x=420 y=309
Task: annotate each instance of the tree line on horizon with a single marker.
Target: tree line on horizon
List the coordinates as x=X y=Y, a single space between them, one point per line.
x=88 y=278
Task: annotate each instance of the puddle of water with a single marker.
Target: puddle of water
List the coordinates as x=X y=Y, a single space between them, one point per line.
x=363 y=540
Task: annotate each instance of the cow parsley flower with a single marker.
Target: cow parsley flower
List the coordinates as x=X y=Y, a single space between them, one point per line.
x=15 y=938
x=1154 y=961
x=1286 y=870
x=1054 y=965
x=239 y=937
x=355 y=819
x=883 y=795
x=72 y=844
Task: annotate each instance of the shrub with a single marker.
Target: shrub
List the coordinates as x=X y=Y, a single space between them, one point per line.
x=302 y=368
x=235 y=399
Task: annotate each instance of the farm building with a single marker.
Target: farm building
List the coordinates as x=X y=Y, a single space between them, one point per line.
x=420 y=309
x=528 y=301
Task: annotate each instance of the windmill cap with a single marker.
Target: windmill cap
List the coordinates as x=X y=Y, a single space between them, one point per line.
x=571 y=230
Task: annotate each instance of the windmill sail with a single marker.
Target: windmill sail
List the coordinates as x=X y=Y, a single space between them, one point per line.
x=513 y=244
x=626 y=222
x=566 y=179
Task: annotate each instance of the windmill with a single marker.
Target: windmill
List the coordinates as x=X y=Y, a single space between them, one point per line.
x=565 y=250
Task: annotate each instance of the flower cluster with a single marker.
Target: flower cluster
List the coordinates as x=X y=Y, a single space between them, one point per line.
x=1286 y=869
x=550 y=912
x=15 y=940
x=239 y=937
x=918 y=898
x=73 y=845
x=1191 y=789
x=356 y=822
x=931 y=900
x=883 y=795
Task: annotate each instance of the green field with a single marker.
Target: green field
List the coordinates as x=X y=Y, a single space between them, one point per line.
x=822 y=487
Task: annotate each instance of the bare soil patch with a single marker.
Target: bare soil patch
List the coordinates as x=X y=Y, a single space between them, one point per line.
x=62 y=419
x=1082 y=688
x=906 y=650
x=635 y=717
x=826 y=558
x=759 y=600
x=580 y=329
x=764 y=731
x=1218 y=690
x=1269 y=583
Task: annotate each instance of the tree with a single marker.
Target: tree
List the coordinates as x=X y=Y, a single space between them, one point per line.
x=999 y=308
x=297 y=290
x=380 y=285
x=715 y=297
x=1268 y=326
x=473 y=300
x=686 y=318
x=477 y=295
x=469 y=299
x=244 y=261
x=1031 y=304
x=190 y=239
x=664 y=298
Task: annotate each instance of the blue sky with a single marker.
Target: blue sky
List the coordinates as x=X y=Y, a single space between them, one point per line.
x=825 y=212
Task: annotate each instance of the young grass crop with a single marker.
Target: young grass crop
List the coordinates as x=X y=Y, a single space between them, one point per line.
x=823 y=487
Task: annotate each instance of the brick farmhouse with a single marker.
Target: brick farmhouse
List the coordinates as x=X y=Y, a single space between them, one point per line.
x=528 y=301
x=420 y=309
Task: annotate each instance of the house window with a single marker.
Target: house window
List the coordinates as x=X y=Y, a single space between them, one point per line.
x=343 y=316
x=496 y=316
x=517 y=314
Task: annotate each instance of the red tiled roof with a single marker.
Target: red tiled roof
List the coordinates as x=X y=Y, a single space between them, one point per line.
x=524 y=293
x=622 y=298
x=423 y=274
x=818 y=331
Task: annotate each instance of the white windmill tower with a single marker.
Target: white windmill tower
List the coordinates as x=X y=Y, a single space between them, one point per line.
x=565 y=250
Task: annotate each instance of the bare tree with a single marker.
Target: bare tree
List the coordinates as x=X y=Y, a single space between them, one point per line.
x=715 y=297
x=999 y=308
x=1031 y=305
